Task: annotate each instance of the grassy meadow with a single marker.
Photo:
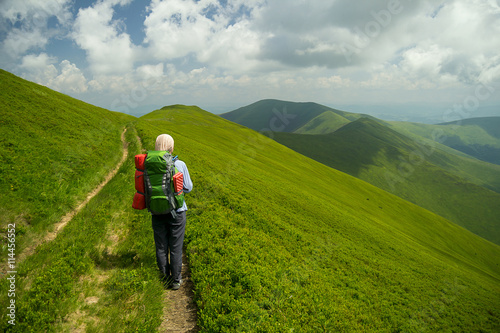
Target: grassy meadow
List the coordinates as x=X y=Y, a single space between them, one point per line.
x=463 y=190
x=276 y=241
x=54 y=151
x=99 y=274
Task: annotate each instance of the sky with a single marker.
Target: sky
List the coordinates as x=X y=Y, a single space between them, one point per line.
x=428 y=61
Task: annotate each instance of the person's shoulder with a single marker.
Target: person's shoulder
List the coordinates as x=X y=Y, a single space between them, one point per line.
x=179 y=162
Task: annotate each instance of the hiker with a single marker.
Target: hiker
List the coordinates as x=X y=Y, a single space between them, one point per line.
x=169 y=230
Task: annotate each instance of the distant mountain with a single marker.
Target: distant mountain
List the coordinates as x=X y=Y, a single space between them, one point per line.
x=282 y=116
x=326 y=122
x=477 y=137
x=489 y=124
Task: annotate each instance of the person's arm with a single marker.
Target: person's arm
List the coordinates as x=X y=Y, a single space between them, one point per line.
x=187 y=183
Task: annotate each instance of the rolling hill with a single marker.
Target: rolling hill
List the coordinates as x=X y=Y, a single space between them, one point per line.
x=271 y=233
x=55 y=150
x=421 y=174
x=282 y=116
x=476 y=137
x=275 y=240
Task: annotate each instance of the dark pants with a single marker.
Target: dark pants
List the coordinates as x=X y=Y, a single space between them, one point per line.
x=169 y=237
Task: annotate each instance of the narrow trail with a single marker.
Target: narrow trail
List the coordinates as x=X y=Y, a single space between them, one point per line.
x=59 y=226
x=179 y=311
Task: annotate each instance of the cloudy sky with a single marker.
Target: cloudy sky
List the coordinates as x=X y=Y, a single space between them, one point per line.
x=398 y=59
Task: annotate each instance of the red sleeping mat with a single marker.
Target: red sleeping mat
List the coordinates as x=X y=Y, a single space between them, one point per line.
x=139 y=198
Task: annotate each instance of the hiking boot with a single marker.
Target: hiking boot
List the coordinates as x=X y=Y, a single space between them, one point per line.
x=176 y=285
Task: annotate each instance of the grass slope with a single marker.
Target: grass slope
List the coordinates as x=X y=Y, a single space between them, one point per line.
x=370 y=151
x=54 y=150
x=279 y=242
x=99 y=274
x=326 y=122
x=439 y=136
x=283 y=116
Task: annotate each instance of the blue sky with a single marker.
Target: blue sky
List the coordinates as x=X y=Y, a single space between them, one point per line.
x=430 y=61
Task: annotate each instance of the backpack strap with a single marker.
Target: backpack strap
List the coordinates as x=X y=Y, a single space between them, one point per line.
x=148 y=187
x=167 y=178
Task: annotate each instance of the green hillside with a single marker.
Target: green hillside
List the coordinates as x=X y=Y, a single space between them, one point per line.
x=276 y=242
x=387 y=159
x=54 y=150
x=326 y=122
x=282 y=116
x=477 y=137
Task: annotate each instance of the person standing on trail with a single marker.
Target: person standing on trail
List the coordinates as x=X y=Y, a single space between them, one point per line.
x=169 y=230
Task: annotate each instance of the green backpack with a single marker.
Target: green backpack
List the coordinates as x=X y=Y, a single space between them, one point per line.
x=160 y=174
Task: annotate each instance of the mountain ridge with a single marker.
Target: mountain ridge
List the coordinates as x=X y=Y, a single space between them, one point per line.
x=313 y=118
x=281 y=116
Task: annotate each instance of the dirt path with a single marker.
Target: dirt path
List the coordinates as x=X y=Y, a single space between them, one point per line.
x=179 y=311
x=59 y=226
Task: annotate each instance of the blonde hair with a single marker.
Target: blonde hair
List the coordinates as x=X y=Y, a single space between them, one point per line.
x=164 y=142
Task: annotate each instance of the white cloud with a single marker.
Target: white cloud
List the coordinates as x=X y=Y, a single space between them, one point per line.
x=235 y=48
x=150 y=74
x=109 y=50
x=213 y=50
x=36 y=62
x=425 y=60
x=457 y=43
x=38 y=68
x=35 y=12
x=176 y=28
x=437 y=42
x=218 y=35
x=41 y=69
x=331 y=34
x=71 y=79
x=19 y=41
x=26 y=24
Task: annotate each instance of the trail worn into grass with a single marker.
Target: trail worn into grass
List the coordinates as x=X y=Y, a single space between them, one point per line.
x=59 y=226
x=179 y=311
